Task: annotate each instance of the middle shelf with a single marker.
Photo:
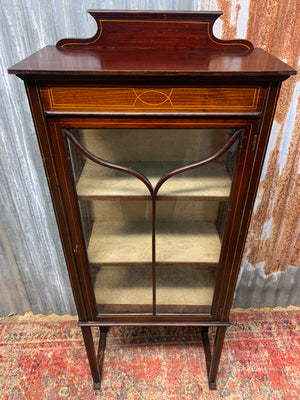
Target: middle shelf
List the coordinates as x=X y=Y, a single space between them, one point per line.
x=120 y=243
x=210 y=182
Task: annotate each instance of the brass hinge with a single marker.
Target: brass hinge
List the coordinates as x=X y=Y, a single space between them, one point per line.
x=254 y=143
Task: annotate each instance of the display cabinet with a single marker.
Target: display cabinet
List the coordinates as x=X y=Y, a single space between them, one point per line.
x=153 y=134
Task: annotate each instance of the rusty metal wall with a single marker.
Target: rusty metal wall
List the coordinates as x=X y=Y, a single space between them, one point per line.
x=270 y=273
x=32 y=269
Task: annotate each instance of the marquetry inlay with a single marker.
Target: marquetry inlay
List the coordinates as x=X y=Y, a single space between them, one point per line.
x=182 y=99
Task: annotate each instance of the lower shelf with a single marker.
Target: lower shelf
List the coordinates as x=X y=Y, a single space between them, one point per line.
x=115 y=243
x=175 y=286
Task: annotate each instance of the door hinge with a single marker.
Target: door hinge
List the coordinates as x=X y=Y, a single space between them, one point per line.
x=254 y=142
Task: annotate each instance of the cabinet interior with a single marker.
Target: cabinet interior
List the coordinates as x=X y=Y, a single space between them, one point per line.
x=116 y=210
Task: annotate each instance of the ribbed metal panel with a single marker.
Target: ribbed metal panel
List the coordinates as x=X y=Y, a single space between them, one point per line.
x=33 y=272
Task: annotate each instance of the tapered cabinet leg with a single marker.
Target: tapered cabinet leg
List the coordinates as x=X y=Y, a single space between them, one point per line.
x=101 y=347
x=213 y=359
x=91 y=353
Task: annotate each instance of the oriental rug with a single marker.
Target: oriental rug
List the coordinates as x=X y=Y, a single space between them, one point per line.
x=44 y=358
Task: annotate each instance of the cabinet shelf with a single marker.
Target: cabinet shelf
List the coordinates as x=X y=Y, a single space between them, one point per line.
x=193 y=243
x=210 y=182
x=183 y=286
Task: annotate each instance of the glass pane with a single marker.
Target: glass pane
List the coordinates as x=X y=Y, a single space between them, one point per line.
x=187 y=232
x=153 y=152
x=190 y=230
x=188 y=247
x=117 y=231
x=184 y=289
x=120 y=289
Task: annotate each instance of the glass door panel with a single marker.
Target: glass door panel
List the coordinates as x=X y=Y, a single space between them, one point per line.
x=117 y=231
x=120 y=178
x=189 y=227
x=188 y=248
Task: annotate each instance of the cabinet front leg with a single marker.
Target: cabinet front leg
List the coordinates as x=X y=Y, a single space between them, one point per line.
x=214 y=365
x=212 y=360
x=101 y=347
x=91 y=353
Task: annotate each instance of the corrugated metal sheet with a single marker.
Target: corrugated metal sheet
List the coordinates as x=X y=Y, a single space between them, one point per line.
x=33 y=273
x=270 y=269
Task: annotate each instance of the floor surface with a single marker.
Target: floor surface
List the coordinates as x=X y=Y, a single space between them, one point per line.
x=44 y=358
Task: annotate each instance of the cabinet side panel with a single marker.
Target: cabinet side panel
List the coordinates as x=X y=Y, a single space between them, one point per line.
x=258 y=151
x=50 y=169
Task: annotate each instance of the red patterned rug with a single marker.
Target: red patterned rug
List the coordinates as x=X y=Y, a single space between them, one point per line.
x=45 y=359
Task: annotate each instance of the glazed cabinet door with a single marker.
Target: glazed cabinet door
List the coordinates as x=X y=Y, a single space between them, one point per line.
x=153 y=206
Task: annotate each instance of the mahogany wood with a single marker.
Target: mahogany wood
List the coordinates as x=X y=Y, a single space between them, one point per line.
x=160 y=30
x=152 y=70
x=101 y=347
x=93 y=359
x=159 y=99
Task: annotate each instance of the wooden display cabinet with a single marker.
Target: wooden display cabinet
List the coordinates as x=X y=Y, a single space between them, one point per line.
x=153 y=134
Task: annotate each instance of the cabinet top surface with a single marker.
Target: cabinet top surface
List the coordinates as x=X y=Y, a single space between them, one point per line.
x=153 y=44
